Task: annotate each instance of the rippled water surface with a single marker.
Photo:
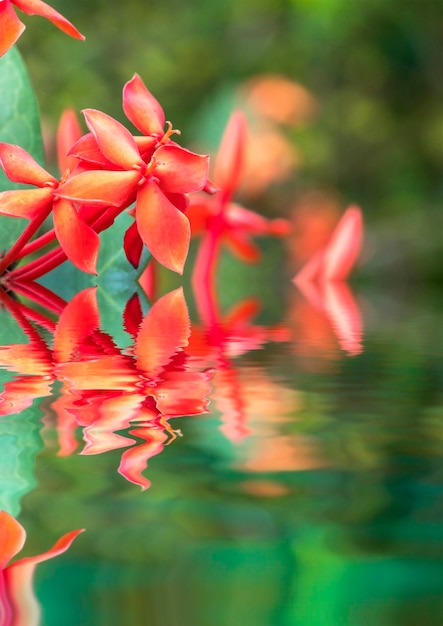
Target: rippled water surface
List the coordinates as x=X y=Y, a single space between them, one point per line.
x=294 y=465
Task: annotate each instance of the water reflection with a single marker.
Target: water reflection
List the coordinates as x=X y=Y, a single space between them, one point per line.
x=305 y=489
x=18 y=603
x=105 y=389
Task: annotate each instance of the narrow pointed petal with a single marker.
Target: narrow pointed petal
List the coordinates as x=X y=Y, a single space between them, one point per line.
x=26 y=203
x=37 y=7
x=68 y=133
x=60 y=546
x=12 y=538
x=78 y=320
x=133 y=245
x=114 y=141
x=26 y=609
x=20 y=167
x=179 y=170
x=12 y=27
x=344 y=245
x=164 y=331
x=142 y=109
x=230 y=157
x=100 y=187
x=164 y=229
x=79 y=242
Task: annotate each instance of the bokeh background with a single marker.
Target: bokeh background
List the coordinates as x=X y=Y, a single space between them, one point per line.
x=344 y=98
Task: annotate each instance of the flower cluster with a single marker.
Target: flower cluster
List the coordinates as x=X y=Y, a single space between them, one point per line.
x=112 y=170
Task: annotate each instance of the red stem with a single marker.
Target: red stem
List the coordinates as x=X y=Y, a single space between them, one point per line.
x=38 y=243
x=24 y=238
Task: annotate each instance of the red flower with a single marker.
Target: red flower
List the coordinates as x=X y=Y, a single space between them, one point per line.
x=79 y=242
x=219 y=219
x=157 y=173
x=11 y=27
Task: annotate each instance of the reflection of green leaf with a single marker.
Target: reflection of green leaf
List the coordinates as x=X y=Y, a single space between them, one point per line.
x=19 y=443
x=10 y=331
x=19 y=124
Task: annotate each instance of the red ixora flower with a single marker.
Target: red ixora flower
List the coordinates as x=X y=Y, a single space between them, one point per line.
x=11 y=27
x=158 y=175
x=104 y=173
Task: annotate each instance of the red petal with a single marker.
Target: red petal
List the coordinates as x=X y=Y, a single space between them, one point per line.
x=79 y=242
x=12 y=538
x=114 y=141
x=179 y=170
x=148 y=279
x=164 y=331
x=20 y=167
x=164 y=229
x=78 y=320
x=37 y=7
x=86 y=149
x=133 y=315
x=179 y=200
x=60 y=546
x=26 y=203
x=100 y=187
x=12 y=27
x=133 y=245
x=229 y=162
x=68 y=133
x=344 y=245
x=142 y=109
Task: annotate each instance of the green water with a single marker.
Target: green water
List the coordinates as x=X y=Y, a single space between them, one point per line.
x=308 y=495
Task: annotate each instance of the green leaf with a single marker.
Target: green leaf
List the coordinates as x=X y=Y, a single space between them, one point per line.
x=19 y=124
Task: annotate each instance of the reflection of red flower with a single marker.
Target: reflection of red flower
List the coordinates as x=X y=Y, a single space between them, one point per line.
x=11 y=27
x=329 y=309
x=18 y=604
x=217 y=342
x=106 y=389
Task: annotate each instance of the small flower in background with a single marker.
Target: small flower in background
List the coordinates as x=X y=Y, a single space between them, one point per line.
x=328 y=311
x=11 y=27
x=219 y=220
x=18 y=604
